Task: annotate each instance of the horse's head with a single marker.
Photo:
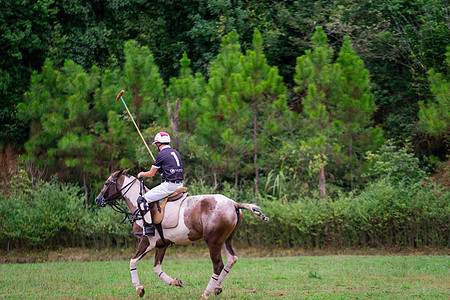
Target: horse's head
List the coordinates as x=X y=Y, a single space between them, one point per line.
x=110 y=193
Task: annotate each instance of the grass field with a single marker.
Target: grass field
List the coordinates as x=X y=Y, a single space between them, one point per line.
x=299 y=277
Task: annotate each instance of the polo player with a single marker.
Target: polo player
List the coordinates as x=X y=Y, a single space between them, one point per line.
x=168 y=163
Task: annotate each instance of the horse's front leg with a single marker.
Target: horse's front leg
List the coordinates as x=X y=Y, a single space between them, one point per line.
x=159 y=257
x=143 y=248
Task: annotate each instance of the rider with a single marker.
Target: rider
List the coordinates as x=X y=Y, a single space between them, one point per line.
x=168 y=163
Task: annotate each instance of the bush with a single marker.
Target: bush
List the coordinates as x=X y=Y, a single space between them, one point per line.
x=397 y=164
x=52 y=214
x=42 y=215
x=384 y=215
x=401 y=215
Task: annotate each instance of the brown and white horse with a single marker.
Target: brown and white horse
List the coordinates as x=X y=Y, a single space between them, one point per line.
x=215 y=218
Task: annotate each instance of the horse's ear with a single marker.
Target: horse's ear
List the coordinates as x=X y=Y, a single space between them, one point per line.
x=126 y=171
x=117 y=173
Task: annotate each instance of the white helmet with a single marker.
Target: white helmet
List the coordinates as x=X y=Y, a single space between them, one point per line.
x=161 y=137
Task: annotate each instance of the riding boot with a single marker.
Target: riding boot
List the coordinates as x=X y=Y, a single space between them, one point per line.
x=148 y=228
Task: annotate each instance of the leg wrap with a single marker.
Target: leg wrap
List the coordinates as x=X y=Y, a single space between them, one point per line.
x=231 y=260
x=162 y=275
x=211 y=285
x=134 y=277
x=134 y=272
x=223 y=274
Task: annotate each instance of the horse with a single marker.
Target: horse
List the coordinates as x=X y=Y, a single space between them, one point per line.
x=215 y=218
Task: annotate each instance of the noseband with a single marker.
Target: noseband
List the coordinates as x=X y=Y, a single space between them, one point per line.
x=103 y=201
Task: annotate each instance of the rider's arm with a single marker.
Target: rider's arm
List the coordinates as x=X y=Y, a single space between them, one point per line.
x=150 y=173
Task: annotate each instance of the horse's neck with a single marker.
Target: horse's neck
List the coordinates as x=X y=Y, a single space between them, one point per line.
x=131 y=192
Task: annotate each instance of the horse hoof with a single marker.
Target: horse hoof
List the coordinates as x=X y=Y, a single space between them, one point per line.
x=141 y=291
x=204 y=296
x=218 y=290
x=178 y=282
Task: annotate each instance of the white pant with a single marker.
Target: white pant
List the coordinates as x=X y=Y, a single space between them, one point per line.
x=161 y=191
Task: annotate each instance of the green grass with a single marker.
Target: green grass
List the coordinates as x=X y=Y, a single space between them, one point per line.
x=299 y=277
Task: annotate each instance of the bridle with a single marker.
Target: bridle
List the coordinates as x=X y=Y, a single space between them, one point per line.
x=113 y=200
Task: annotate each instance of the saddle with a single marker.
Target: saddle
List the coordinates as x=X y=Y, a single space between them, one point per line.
x=157 y=208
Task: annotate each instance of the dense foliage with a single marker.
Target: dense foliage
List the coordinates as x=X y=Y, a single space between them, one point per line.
x=286 y=103
x=412 y=212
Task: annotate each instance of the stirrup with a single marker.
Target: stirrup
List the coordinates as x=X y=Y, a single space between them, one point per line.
x=148 y=230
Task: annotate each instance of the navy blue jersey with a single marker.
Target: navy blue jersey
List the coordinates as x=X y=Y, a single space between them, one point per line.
x=168 y=162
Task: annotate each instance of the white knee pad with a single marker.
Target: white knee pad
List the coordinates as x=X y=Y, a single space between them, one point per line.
x=148 y=217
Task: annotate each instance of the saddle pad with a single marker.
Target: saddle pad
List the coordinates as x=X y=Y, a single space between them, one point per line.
x=171 y=213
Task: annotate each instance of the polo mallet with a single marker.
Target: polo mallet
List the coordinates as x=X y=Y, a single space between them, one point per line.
x=123 y=101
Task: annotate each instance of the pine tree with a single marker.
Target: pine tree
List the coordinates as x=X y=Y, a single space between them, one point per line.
x=337 y=107
x=355 y=109
x=58 y=106
x=434 y=116
x=78 y=129
x=224 y=115
x=315 y=79
x=261 y=86
x=187 y=89
x=143 y=80
x=116 y=136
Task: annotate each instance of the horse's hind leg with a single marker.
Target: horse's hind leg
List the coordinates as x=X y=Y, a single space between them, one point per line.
x=159 y=256
x=143 y=248
x=216 y=258
x=231 y=260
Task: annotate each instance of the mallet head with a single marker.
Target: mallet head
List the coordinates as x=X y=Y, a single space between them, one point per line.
x=120 y=95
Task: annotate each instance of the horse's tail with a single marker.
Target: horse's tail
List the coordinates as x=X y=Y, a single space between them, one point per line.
x=254 y=209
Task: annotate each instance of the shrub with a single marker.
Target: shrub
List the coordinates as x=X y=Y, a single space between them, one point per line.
x=383 y=215
x=41 y=215
x=398 y=164
x=52 y=214
x=401 y=215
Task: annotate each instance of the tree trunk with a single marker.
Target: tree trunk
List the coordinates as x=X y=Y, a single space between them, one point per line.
x=236 y=181
x=351 y=163
x=137 y=102
x=86 y=200
x=173 y=117
x=255 y=141
x=322 y=183
x=215 y=182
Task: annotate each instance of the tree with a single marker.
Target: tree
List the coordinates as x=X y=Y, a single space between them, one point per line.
x=317 y=84
x=261 y=86
x=58 y=105
x=400 y=41
x=434 y=116
x=337 y=107
x=223 y=118
x=355 y=109
x=113 y=126
x=187 y=89
x=143 y=81
x=24 y=44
